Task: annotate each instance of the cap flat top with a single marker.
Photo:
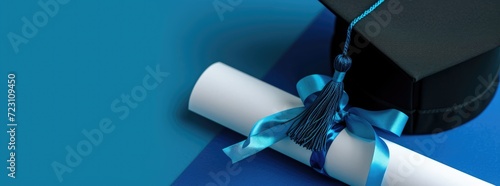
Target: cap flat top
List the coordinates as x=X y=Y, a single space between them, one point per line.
x=425 y=37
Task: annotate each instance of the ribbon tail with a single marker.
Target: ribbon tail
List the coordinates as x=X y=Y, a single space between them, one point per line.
x=238 y=151
x=271 y=121
x=362 y=128
x=265 y=133
x=379 y=163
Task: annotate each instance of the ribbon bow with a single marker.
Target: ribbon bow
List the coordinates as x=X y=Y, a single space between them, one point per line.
x=357 y=121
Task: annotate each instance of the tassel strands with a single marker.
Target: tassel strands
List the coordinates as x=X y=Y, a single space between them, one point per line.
x=310 y=127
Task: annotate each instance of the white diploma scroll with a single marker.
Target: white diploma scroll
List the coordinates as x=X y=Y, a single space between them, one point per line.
x=237 y=100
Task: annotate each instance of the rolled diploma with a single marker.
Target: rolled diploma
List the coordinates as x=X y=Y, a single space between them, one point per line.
x=237 y=100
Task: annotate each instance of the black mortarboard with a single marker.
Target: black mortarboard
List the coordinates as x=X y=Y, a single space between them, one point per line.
x=437 y=61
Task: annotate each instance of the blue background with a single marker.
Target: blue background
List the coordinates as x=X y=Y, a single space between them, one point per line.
x=92 y=52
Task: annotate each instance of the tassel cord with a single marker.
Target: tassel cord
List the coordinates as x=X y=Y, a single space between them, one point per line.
x=356 y=20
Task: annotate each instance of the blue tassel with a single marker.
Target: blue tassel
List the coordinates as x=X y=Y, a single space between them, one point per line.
x=309 y=129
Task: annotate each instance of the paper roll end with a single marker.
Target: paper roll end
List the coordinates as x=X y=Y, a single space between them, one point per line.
x=196 y=93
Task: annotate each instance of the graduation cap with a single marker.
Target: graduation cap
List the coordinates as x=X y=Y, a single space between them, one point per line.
x=437 y=61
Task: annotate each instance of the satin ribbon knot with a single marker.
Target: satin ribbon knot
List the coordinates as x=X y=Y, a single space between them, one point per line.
x=357 y=121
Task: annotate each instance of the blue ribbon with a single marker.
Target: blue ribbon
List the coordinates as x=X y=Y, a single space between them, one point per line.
x=357 y=121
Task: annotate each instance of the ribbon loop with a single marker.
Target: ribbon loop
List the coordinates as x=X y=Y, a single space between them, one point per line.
x=311 y=84
x=390 y=120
